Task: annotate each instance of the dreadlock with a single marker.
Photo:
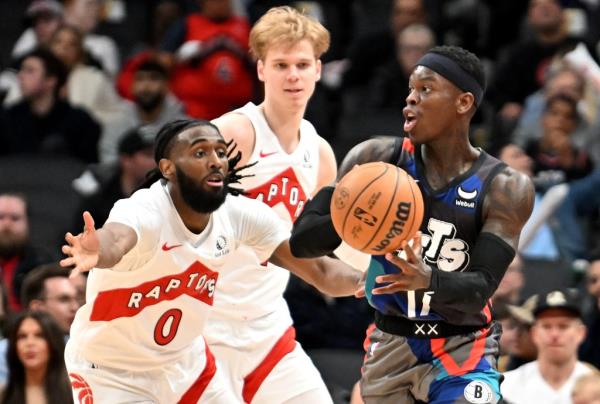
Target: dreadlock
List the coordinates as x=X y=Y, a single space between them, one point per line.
x=164 y=143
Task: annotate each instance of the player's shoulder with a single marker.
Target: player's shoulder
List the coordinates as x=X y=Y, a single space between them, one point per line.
x=234 y=125
x=515 y=183
x=380 y=148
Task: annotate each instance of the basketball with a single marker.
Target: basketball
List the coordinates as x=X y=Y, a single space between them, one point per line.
x=376 y=206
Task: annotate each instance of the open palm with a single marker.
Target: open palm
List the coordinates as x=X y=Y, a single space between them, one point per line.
x=83 y=250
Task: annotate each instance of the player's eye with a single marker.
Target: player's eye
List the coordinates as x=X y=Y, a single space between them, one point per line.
x=200 y=153
x=222 y=153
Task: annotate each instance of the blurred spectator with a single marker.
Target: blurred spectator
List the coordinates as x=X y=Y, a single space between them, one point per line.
x=85 y=15
x=42 y=122
x=213 y=73
x=87 y=87
x=152 y=107
x=48 y=288
x=559 y=80
x=43 y=18
x=509 y=289
x=388 y=88
x=35 y=359
x=104 y=184
x=556 y=158
x=522 y=350
x=509 y=336
x=373 y=50
x=521 y=70
x=580 y=206
x=557 y=332
x=537 y=240
x=587 y=389
x=589 y=351
x=17 y=255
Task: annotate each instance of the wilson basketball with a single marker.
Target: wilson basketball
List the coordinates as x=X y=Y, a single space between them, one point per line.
x=376 y=206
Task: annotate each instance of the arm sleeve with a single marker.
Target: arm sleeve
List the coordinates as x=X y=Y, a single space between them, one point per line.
x=313 y=234
x=259 y=227
x=469 y=291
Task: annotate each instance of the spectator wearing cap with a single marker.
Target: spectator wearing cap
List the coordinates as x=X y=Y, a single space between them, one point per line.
x=557 y=332
x=152 y=107
x=43 y=17
x=101 y=185
x=521 y=349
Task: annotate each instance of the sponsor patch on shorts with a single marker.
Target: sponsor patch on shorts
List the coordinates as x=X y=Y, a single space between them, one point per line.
x=478 y=392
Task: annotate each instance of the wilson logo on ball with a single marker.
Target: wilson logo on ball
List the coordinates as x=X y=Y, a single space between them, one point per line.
x=376 y=206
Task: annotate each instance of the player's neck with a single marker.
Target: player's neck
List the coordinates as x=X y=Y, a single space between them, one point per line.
x=556 y=374
x=285 y=123
x=447 y=160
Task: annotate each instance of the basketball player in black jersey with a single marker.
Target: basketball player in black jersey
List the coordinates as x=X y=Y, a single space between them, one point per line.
x=435 y=338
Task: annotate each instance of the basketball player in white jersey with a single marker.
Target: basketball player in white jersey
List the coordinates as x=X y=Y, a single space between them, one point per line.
x=250 y=329
x=157 y=264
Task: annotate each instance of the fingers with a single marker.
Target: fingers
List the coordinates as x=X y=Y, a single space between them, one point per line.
x=70 y=238
x=74 y=273
x=88 y=221
x=360 y=293
x=67 y=262
x=388 y=289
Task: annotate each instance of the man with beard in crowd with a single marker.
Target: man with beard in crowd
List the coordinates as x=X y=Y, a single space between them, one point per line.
x=17 y=255
x=152 y=107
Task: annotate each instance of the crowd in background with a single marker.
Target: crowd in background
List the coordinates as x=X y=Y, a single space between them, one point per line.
x=86 y=84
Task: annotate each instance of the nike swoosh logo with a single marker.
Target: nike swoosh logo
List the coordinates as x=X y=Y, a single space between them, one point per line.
x=262 y=154
x=166 y=247
x=467 y=195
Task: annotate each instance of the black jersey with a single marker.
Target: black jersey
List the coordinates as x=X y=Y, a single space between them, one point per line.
x=451 y=224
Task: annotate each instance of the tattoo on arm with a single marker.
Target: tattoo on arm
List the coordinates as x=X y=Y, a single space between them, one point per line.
x=378 y=149
x=508 y=205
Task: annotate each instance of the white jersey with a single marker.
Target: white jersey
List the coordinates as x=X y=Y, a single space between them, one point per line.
x=525 y=385
x=283 y=181
x=153 y=304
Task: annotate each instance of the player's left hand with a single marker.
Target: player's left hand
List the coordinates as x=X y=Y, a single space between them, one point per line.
x=412 y=274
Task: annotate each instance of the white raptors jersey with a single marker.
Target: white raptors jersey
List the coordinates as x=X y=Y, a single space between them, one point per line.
x=284 y=182
x=154 y=302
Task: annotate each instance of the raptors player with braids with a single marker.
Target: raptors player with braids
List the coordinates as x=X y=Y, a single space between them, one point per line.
x=156 y=264
x=251 y=330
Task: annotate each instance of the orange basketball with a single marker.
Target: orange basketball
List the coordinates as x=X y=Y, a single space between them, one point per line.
x=376 y=206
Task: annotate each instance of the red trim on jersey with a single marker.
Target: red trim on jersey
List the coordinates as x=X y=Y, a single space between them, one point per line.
x=453 y=368
x=408 y=145
x=85 y=395
x=283 y=188
x=193 y=394
x=196 y=281
x=367 y=342
x=487 y=312
x=282 y=347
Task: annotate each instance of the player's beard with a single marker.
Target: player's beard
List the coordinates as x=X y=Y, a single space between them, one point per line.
x=198 y=199
x=11 y=245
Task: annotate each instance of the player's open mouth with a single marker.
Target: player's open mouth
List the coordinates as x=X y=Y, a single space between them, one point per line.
x=410 y=120
x=215 y=180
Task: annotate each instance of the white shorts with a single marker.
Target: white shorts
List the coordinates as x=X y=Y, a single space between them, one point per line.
x=191 y=380
x=273 y=371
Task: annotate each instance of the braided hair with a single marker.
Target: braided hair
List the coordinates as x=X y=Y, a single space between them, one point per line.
x=163 y=144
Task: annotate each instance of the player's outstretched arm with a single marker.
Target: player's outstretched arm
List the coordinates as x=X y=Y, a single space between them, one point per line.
x=102 y=248
x=330 y=276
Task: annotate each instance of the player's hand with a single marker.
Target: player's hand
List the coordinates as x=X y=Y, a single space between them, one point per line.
x=412 y=274
x=84 y=249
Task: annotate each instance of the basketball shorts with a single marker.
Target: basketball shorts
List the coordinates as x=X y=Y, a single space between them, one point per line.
x=273 y=370
x=194 y=379
x=458 y=369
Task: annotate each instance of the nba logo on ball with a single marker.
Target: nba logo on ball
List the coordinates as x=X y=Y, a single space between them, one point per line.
x=375 y=207
x=478 y=392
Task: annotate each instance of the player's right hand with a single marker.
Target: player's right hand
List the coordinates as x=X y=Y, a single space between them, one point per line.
x=84 y=249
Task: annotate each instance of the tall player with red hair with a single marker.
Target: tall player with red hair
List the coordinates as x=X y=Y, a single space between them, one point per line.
x=251 y=330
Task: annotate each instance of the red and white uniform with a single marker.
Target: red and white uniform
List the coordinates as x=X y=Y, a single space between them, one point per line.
x=146 y=315
x=250 y=329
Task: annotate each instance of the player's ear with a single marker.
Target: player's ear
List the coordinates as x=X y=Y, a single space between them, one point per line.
x=260 y=70
x=464 y=102
x=319 y=66
x=167 y=168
